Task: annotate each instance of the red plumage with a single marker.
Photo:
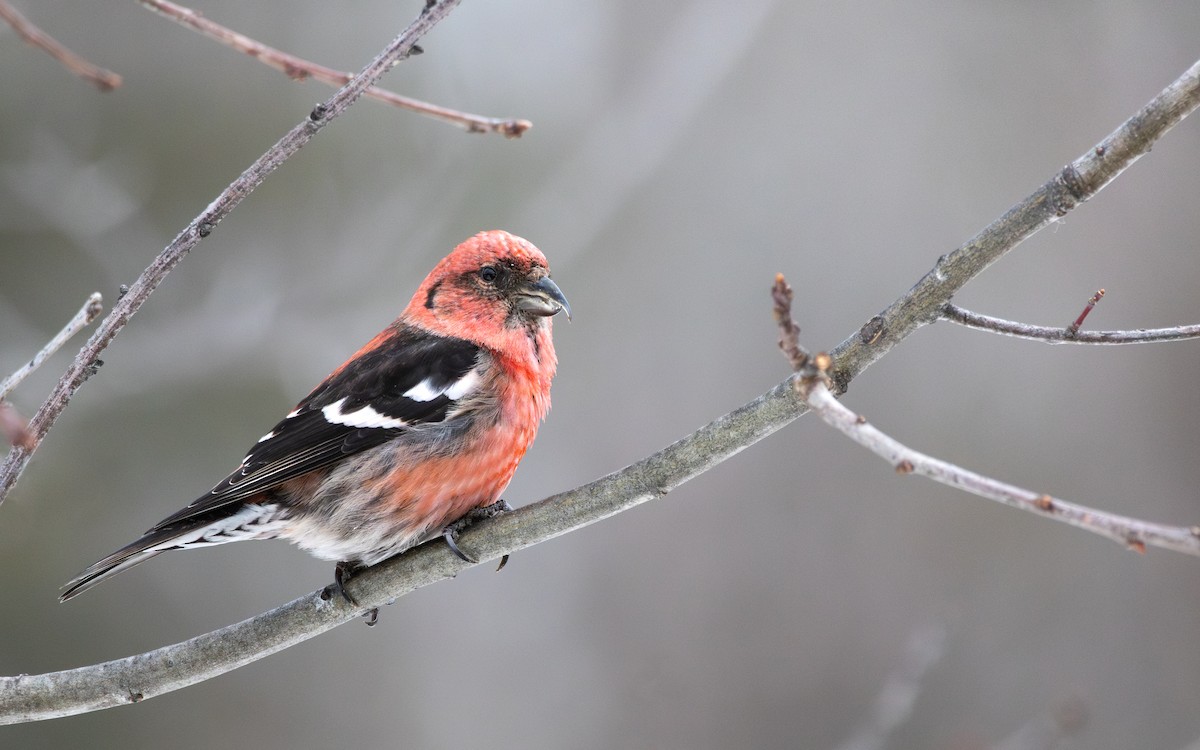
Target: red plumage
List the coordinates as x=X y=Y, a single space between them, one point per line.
x=424 y=424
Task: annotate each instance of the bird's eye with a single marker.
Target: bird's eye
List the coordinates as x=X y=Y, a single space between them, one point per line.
x=488 y=274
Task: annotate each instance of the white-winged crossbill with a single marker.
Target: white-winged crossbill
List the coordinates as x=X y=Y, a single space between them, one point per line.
x=423 y=426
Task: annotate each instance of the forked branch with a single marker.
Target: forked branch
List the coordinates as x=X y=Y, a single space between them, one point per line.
x=963 y=317
x=1131 y=532
x=105 y=80
x=89 y=312
x=29 y=698
x=229 y=198
x=813 y=388
x=298 y=69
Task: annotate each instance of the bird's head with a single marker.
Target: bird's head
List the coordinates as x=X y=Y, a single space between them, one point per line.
x=489 y=288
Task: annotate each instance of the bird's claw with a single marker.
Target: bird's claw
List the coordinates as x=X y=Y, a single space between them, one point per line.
x=342 y=573
x=452 y=530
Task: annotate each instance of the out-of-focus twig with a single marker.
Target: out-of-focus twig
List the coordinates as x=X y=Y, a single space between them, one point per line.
x=299 y=69
x=1047 y=731
x=139 y=291
x=13 y=427
x=37 y=697
x=105 y=80
x=894 y=704
x=89 y=312
x=956 y=314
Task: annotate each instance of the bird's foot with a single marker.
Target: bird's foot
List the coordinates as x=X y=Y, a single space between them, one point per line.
x=342 y=573
x=451 y=531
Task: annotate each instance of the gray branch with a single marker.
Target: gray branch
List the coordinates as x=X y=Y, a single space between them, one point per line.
x=27 y=698
x=141 y=289
x=895 y=702
x=1131 y=532
x=963 y=317
x=90 y=311
x=1074 y=184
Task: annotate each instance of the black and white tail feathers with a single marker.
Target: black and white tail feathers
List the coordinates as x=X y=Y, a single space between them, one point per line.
x=405 y=378
x=250 y=521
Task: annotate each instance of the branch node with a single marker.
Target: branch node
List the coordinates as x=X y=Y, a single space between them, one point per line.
x=298 y=69
x=789 y=331
x=95 y=306
x=1135 y=543
x=1044 y=503
x=92 y=307
x=872 y=330
x=292 y=71
x=514 y=128
x=1073 y=329
x=104 y=80
x=1070 y=179
x=14 y=427
x=905 y=467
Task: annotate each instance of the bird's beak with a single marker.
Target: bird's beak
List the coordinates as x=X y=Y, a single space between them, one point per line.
x=543 y=297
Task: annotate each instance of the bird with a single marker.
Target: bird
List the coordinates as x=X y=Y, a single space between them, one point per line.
x=420 y=431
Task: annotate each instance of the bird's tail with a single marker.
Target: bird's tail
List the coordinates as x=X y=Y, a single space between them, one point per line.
x=249 y=521
x=125 y=558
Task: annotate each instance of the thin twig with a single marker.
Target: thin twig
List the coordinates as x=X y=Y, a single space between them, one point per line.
x=143 y=676
x=1071 y=186
x=895 y=701
x=1131 y=532
x=956 y=314
x=105 y=80
x=1087 y=310
x=299 y=69
x=203 y=225
x=1047 y=731
x=89 y=312
x=31 y=698
x=789 y=330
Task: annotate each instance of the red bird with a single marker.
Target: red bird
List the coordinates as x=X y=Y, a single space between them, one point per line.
x=422 y=427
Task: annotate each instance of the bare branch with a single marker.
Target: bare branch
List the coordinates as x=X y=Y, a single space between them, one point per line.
x=1047 y=731
x=299 y=69
x=28 y=698
x=135 y=678
x=105 y=80
x=789 y=331
x=1087 y=310
x=956 y=314
x=1074 y=184
x=1131 y=532
x=89 y=312
x=894 y=704
x=399 y=49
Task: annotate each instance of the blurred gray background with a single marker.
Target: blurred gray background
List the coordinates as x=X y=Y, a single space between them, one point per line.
x=681 y=155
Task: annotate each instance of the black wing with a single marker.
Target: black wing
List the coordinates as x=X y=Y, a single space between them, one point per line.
x=411 y=377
